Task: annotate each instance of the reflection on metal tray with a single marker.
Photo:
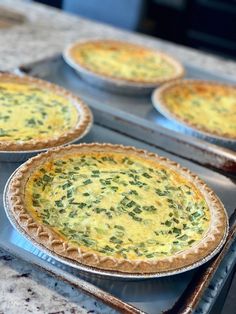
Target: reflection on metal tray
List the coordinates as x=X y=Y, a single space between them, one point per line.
x=152 y=295
x=58 y=72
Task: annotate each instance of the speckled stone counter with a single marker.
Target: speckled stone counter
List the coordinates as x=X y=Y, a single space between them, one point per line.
x=48 y=31
x=25 y=289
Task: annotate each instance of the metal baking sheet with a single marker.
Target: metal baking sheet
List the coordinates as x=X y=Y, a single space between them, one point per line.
x=58 y=72
x=152 y=295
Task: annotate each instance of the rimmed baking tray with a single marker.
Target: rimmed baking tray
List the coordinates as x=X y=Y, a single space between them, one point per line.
x=150 y=295
x=133 y=121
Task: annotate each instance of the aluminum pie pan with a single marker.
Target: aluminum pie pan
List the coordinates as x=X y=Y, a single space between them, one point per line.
x=111 y=84
x=20 y=156
x=186 y=128
x=92 y=271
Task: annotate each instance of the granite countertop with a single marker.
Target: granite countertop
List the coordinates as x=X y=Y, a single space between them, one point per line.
x=48 y=31
x=24 y=288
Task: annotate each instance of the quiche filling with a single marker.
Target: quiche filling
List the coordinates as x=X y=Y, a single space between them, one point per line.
x=123 y=61
x=28 y=112
x=116 y=205
x=211 y=107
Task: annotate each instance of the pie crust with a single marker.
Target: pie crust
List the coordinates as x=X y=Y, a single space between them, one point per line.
x=84 y=120
x=160 y=103
x=210 y=242
x=73 y=59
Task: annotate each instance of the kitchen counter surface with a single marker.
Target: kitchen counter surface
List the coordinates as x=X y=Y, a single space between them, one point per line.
x=24 y=288
x=48 y=31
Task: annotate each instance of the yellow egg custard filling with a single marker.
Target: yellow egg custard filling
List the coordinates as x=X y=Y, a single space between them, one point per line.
x=38 y=114
x=207 y=106
x=28 y=112
x=125 y=61
x=119 y=206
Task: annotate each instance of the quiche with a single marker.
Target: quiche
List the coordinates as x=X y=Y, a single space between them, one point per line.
x=207 y=106
x=35 y=114
x=117 y=208
x=123 y=61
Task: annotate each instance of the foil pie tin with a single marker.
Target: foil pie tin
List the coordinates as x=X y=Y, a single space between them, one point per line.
x=92 y=271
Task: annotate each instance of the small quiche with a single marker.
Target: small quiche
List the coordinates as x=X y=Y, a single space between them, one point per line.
x=117 y=208
x=207 y=106
x=35 y=114
x=124 y=61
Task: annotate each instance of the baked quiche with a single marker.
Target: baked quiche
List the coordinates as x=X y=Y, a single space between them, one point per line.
x=123 y=61
x=35 y=114
x=206 y=106
x=117 y=208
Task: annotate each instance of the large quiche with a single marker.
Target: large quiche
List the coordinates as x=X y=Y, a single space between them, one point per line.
x=206 y=106
x=35 y=114
x=123 y=61
x=117 y=208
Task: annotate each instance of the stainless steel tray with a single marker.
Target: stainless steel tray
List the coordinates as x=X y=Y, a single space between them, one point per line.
x=151 y=295
x=133 y=121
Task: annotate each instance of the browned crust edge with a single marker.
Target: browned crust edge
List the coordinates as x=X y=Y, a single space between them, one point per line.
x=49 y=239
x=158 y=99
x=82 y=127
x=179 y=69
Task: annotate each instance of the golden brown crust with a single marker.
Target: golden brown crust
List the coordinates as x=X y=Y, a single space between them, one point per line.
x=159 y=102
x=49 y=239
x=82 y=127
x=70 y=55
